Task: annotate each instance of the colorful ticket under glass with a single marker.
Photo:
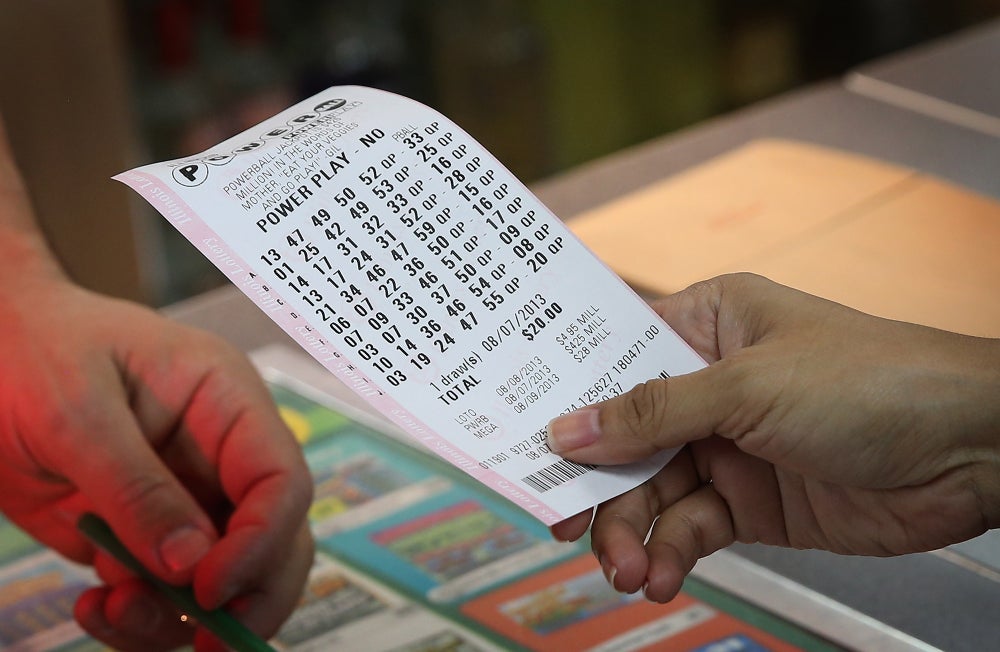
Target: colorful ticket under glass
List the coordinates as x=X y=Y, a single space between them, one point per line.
x=415 y=267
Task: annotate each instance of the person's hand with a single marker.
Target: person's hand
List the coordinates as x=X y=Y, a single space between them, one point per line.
x=814 y=426
x=170 y=436
x=166 y=432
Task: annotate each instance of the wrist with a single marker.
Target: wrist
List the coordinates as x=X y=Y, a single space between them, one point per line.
x=984 y=432
x=25 y=257
x=991 y=480
x=24 y=253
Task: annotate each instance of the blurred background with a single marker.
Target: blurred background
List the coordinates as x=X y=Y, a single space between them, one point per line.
x=89 y=88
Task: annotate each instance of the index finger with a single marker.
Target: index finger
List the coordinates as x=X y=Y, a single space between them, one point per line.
x=262 y=472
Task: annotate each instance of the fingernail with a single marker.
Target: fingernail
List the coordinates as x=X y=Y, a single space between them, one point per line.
x=183 y=548
x=574 y=430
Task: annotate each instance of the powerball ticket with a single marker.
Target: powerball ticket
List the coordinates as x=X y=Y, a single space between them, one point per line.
x=415 y=267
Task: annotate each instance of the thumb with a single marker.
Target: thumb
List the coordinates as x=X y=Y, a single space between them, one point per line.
x=141 y=499
x=653 y=416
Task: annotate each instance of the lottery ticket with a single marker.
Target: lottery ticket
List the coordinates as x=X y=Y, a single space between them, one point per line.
x=415 y=267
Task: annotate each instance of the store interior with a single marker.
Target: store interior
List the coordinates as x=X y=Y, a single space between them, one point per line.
x=546 y=85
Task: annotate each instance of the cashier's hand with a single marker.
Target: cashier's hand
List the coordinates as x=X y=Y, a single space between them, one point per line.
x=815 y=426
x=166 y=432
x=170 y=436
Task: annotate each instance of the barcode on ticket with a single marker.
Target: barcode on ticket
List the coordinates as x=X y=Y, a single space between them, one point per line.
x=554 y=475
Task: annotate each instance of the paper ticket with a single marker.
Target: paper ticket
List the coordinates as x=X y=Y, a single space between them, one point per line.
x=415 y=267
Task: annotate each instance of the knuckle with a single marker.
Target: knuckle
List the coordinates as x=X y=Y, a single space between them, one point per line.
x=137 y=498
x=644 y=409
x=208 y=345
x=218 y=353
x=741 y=279
x=709 y=286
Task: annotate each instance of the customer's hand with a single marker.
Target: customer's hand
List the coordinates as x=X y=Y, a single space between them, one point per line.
x=167 y=433
x=815 y=426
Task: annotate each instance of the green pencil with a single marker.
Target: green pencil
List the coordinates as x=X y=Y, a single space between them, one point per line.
x=228 y=629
